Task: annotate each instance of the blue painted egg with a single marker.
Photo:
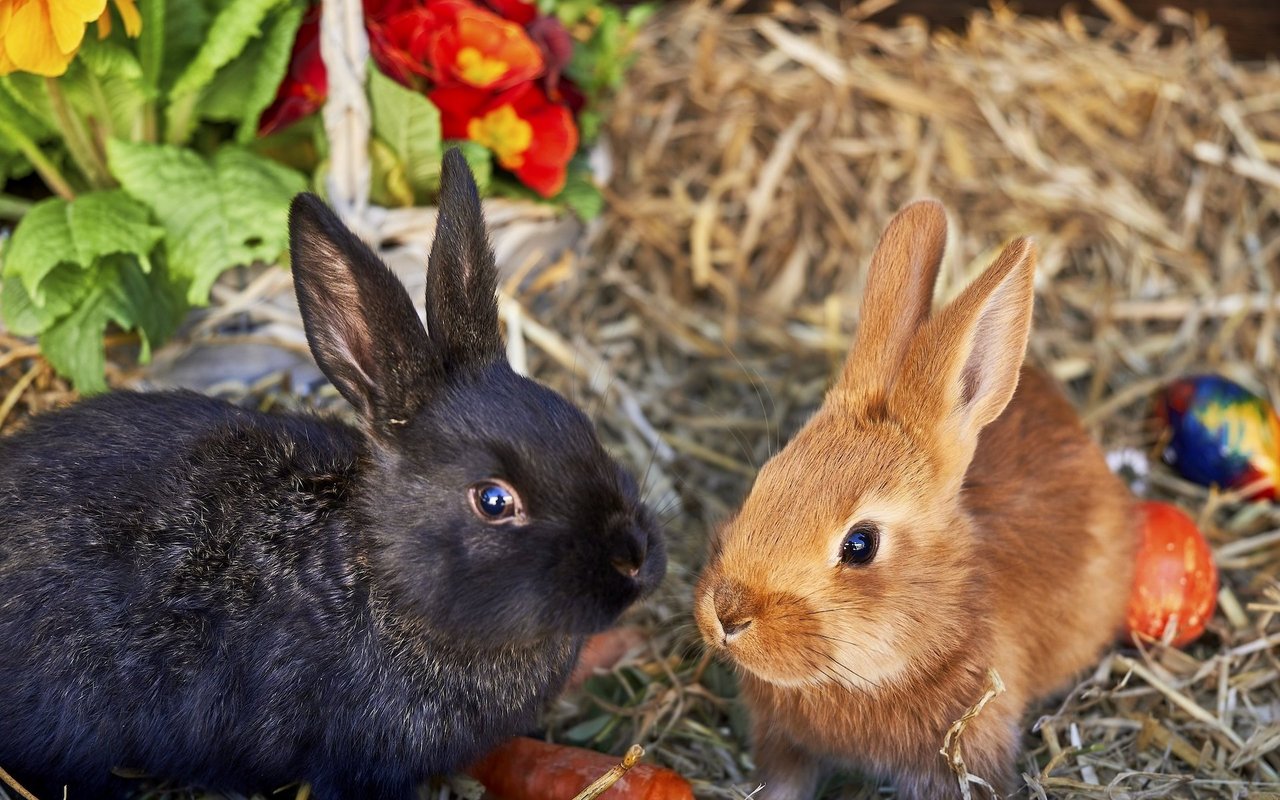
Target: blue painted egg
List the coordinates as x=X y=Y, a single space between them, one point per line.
x=1221 y=434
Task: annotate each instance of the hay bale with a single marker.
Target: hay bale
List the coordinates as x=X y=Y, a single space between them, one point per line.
x=757 y=159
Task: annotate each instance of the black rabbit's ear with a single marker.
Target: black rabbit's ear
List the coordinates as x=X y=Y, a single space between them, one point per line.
x=462 y=310
x=360 y=322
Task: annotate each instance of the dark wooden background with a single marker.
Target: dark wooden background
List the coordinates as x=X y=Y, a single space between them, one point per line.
x=1252 y=26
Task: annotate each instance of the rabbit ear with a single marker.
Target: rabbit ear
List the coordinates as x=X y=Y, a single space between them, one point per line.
x=964 y=363
x=462 y=310
x=360 y=323
x=897 y=299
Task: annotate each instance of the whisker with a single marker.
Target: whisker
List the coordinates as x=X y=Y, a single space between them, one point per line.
x=755 y=380
x=835 y=639
x=835 y=678
x=869 y=646
x=644 y=477
x=819 y=611
x=850 y=671
x=603 y=398
x=837 y=663
x=734 y=432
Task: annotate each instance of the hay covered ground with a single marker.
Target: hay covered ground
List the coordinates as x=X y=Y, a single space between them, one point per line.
x=756 y=158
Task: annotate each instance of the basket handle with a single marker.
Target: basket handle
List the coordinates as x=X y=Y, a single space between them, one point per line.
x=344 y=47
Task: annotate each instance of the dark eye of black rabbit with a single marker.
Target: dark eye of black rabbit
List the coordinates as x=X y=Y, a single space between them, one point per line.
x=495 y=502
x=860 y=544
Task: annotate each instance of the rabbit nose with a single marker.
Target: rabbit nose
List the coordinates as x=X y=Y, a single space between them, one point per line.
x=732 y=630
x=733 y=610
x=627 y=568
x=629 y=556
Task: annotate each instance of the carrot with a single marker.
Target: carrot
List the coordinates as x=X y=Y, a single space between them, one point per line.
x=527 y=769
x=603 y=651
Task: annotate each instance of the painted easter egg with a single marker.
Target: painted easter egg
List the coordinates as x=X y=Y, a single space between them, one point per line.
x=1220 y=433
x=1175 y=581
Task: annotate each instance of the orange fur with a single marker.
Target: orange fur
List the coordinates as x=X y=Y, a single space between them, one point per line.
x=1004 y=540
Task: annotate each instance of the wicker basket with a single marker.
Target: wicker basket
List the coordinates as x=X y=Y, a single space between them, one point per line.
x=252 y=330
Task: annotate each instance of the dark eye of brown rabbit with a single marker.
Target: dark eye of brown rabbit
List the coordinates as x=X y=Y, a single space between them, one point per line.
x=860 y=544
x=495 y=502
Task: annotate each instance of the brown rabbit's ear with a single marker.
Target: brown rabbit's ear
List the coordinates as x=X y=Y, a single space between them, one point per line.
x=963 y=365
x=897 y=298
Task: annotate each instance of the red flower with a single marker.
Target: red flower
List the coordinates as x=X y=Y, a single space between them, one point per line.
x=477 y=47
x=385 y=9
x=530 y=136
x=305 y=85
x=521 y=12
x=400 y=37
x=568 y=93
x=495 y=82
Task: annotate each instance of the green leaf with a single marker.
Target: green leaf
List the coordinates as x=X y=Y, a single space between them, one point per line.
x=589 y=121
x=568 y=11
x=24 y=104
x=237 y=23
x=600 y=63
x=273 y=65
x=580 y=193
x=145 y=301
x=21 y=316
x=12 y=165
x=121 y=293
x=74 y=344
x=639 y=14
x=225 y=97
x=80 y=232
x=109 y=58
x=185 y=26
x=586 y=731
x=64 y=288
x=409 y=124
x=298 y=146
x=232 y=29
x=151 y=45
x=217 y=213
x=106 y=84
x=479 y=158
x=387 y=183
x=245 y=87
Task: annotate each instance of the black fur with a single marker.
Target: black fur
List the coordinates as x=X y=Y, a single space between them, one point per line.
x=239 y=600
x=462 y=312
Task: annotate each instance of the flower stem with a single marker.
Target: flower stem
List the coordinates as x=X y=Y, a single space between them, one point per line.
x=43 y=166
x=82 y=148
x=105 y=124
x=150 y=122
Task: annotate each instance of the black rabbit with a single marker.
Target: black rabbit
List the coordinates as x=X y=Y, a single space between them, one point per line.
x=239 y=600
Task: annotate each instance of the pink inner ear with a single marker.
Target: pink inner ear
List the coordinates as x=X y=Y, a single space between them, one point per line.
x=969 y=382
x=357 y=340
x=999 y=344
x=343 y=328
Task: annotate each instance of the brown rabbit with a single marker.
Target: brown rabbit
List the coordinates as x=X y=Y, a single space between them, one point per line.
x=926 y=525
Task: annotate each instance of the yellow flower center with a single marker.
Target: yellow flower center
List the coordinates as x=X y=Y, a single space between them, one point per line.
x=477 y=69
x=503 y=132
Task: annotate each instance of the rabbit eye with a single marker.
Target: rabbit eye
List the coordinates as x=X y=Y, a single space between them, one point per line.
x=860 y=544
x=495 y=502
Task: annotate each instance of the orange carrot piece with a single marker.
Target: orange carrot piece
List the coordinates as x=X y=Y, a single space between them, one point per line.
x=603 y=651
x=528 y=769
